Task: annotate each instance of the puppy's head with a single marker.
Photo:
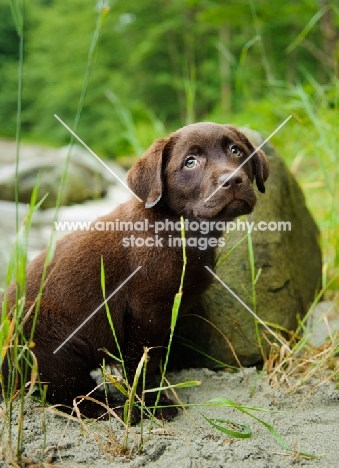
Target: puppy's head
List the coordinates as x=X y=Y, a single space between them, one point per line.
x=203 y=170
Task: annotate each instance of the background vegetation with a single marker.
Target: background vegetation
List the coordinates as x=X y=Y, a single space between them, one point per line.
x=172 y=62
x=159 y=65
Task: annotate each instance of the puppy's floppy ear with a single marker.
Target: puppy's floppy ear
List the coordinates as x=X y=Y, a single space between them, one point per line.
x=145 y=177
x=261 y=169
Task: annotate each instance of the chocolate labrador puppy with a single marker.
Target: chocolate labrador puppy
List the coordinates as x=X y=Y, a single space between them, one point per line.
x=191 y=174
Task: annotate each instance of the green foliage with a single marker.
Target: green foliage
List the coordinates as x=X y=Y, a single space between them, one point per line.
x=174 y=62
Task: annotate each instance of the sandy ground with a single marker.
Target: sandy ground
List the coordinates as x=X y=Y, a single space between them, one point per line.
x=308 y=420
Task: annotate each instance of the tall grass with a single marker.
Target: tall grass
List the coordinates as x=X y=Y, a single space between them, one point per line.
x=253 y=294
x=17 y=349
x=324 y=198
x=13 y=348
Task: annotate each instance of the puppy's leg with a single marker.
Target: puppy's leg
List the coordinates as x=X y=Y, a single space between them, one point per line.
x=149 y=333
x=67 y=375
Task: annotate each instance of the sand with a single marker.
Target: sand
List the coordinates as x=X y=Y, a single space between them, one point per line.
x=307 y=419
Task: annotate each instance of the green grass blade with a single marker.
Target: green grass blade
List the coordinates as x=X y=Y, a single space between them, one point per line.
x=109 y=317
x=246 y=410
x=175 y=310
x=188 y=344
x=221 y=259
x=306 y=29
x=115 y=358
x=225 y=402
x=189 y=383
x=246 y=430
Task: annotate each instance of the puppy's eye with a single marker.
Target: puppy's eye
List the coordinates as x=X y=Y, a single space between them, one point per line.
x=236 y=151
x=191 y=162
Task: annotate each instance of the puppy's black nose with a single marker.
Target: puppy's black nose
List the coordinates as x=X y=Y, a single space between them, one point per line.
x=229 y=181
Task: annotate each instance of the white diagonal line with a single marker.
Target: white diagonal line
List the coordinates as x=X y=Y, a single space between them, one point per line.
x=96 y=310
x=247 y=308
x=97 y=157
x=249 y=157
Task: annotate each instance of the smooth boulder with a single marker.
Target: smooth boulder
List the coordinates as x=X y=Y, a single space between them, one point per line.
x=86 y=178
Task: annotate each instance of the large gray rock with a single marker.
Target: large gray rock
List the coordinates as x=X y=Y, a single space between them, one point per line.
x=86 y=178
x=290 y=264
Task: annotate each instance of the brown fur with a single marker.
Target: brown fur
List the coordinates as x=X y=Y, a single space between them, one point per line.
x=141 y=309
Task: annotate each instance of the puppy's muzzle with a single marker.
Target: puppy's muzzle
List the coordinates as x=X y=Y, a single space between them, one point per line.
x=230 y=182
